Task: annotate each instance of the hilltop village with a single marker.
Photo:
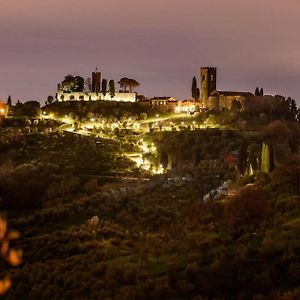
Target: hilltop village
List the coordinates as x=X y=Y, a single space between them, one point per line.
x=110 y=194
x=209 y=98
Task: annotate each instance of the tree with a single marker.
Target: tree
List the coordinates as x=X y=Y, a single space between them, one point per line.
x=236 y=105
x=104 y=87
x=242 y=158
x=278 y=130
x=78 y=84
x=197 y=93
x=12 y=256
x=111 y=87
x=257 y=91
x=265 y=158
x=9 y=101
x=261 y=92
x=73 y=84
x=132 y=84
x=128 y=84
x=246 y=210
x=68 y=83
x=88 y=84
x=164 y=159
x=288 y=174
x=195 y=89
x=123 y=82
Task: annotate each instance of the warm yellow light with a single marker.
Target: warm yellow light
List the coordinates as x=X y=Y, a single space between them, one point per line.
x=2 y=111
x=177 y=109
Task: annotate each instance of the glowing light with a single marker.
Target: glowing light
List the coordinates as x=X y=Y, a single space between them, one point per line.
x=157 y=115
x=92 y=120
x=2 y=111
x=44 y=113
x=177 y=109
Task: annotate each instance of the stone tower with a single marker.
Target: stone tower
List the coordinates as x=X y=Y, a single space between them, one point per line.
x=208 y=79
x=96 y=81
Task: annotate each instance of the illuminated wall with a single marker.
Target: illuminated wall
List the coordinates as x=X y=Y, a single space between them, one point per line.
x=87 y=96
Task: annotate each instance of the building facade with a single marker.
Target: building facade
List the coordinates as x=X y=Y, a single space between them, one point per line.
x=95 y=94
x=212 y=99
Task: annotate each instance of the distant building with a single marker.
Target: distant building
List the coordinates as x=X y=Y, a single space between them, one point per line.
x=164 y=104
x=95 y=94
x=213 y=99
x=186 y=106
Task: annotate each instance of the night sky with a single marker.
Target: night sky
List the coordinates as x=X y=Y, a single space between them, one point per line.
x=160 y=43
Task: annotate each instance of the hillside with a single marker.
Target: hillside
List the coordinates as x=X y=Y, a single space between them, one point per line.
x=211 y=211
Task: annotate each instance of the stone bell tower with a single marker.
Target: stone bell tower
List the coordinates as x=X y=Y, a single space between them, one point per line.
x=96 y=81
x=208 y=79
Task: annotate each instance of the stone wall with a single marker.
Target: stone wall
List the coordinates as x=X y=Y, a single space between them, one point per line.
x=222 y=102
x=86 y=96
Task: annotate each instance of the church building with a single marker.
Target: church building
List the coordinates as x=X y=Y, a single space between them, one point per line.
x=213 y=99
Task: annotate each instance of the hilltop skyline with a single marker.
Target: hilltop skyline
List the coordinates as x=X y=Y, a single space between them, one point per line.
x=162 y=45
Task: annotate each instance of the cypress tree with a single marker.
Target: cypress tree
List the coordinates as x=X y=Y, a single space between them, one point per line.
x=9 y=101
x=194 y=88
x=104 y=87
x=261 y=92
x=111 y=88
x=265 y=158
x=197 y=94
x=242 y=158
x=164 y=159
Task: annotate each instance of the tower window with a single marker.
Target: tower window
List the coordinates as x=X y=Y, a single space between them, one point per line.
x=203 y=77
x=212 y=77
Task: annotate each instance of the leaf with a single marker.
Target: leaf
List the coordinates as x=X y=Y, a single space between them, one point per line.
x=13 y=235
x=14 y=257
x=5 y=284
x=4 y=247
x=3 y=227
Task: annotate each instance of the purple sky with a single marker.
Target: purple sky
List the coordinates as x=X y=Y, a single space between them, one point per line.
x=162 y=44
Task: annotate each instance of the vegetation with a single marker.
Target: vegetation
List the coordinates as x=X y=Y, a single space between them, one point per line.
x=220 y=222
x=104 y=87
x=112 y=89
x=195 y=89
x=72 y=84
x=128 y=84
